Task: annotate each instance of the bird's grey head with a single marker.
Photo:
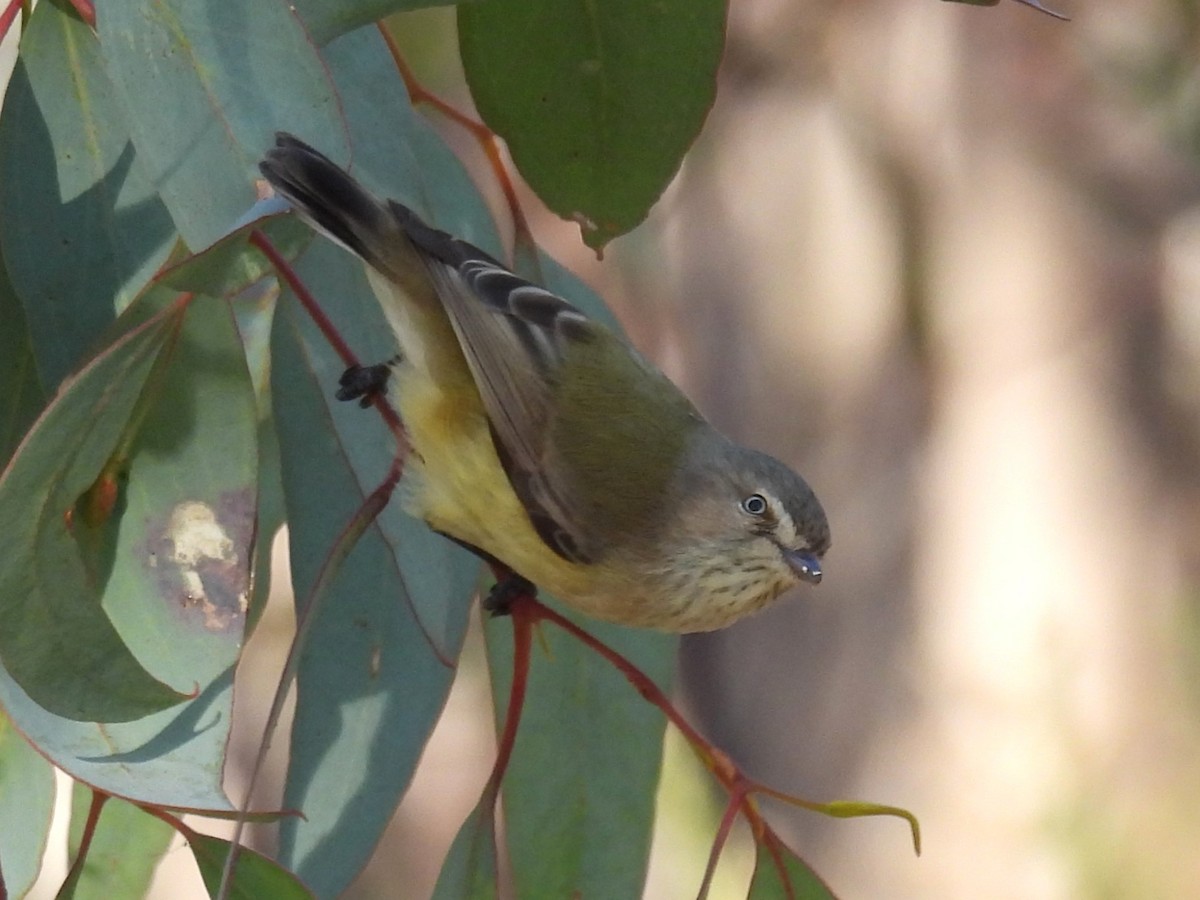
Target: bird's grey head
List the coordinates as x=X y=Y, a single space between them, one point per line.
x=752 y=513
x=779 y=506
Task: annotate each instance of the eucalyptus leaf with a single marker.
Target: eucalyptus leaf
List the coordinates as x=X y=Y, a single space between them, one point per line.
x=126 y=848
x=598 y=102
x=255 y=877
x=234 y=73
x=779 y=874
x=26 y=808
x=83 y=228
x=380 y=657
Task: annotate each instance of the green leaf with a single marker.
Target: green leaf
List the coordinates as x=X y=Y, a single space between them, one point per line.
x=469 y=870
x=371 y=682
x=327 y=19
x=232 y=264
x=58 y=643
x=579 y=792
x=26 y=807
x=173 y=758
x=254 y=310
x=598 y=102
x=239 y=271
x=125 y=849
x=180 y=574
x=171 y=558
x=83 y=228
x=779 y=874
x=379 y=660
x=205 y=83
x=255 y=877
x=21 y=394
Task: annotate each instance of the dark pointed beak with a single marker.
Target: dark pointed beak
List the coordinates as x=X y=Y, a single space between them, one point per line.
x=806 y=566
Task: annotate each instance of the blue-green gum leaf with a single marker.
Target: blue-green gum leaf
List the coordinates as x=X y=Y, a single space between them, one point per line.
x=205 y=84
x=83 y=228
x=59 y=644
x=26 y=807
x=125 y=850
x=21 y=393
x=378 y=666
x=172 y=557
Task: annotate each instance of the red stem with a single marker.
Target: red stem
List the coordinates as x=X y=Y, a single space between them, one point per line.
x=524 y=616
x=86 y=11
x=174 y=821
x=739 y=787
x=486 y=138
x=771 y=842
x=643 y=685
x=99 y=798
x=8 y=17
x=285 y=271
x=736 y=797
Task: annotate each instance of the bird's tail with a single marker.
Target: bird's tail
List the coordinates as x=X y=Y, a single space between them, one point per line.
x=335 y=204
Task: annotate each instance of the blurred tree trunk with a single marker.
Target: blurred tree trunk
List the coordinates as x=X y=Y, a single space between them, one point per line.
x=921 y=248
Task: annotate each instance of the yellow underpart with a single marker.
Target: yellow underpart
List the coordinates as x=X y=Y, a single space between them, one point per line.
x=455 y=480
x=461 y=489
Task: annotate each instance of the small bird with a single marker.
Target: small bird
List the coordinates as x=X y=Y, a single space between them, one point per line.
x=546 y=442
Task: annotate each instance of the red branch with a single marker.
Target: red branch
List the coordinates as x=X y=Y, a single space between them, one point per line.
x=523 y=624
x=86 y=11
x=8 y=17
x=486 y=138
x=285 y=271
x=727 y=819
x=99 y=798
x=527 y=611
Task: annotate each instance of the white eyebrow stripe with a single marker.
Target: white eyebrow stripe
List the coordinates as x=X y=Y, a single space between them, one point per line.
x=785 y=527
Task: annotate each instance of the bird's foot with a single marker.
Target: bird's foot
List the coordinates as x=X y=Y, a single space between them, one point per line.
x=506 y=591
x=365 y=383
x=509 y=585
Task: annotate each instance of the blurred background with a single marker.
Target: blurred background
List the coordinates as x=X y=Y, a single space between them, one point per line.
x=946 y=261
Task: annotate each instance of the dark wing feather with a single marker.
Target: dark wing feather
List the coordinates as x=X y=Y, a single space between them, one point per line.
x=514 y=336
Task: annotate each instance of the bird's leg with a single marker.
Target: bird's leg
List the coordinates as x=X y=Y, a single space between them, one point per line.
x=365 y=383
x=509 y=585
x=504 y=592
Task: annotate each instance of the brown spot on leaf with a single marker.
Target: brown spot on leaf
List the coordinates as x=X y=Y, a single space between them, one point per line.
x=200 y=557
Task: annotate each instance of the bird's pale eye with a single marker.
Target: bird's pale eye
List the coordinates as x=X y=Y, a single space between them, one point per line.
x=755 y=505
